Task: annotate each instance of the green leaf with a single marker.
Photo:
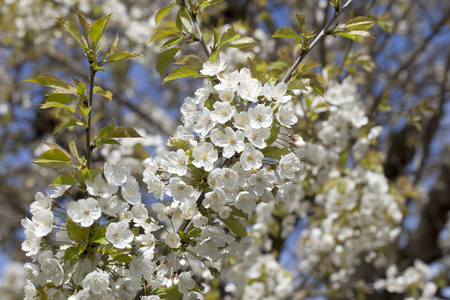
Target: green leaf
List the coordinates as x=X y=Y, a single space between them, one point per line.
x=123 y=258
x=65 y=125
x=123 y=132
x=190 y=60
x=64 y=179
x=236 y=226
x=275 y=152
x=111 y=49
x=163 y=32
x=286 y=32
x=216 y=37
x=229 y=36
x=180 y=144
x=241 y=42
x=258 y=68
x=162 y=12
x=82 y=109
x=59 y=86
x=54 y=159
x=273 y=134
x=72 y=28
x=296 y=84
x=66 y=113
x=183 y=22
x=74 y=231
x=108 y=129
x=171 y=42
x=164 y=60
x=205 y=3
x=121 y=55
x=73 y=148
x=359 y=23
x=60 y=98
x=81 y=88
x=99 y=236
x=58 y=105
x=71 y=252
x=110 y=141
x=317 y=86
x=302 y=22
x=308 y=66
x=180 y=73
x=97 y=28
x=105 y=93
x=86 y=26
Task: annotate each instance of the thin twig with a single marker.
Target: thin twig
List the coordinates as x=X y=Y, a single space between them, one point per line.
x=88 y=129
x=316 y=40
x=197 y=28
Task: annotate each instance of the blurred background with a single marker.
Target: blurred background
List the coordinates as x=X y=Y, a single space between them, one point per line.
x=403 y=77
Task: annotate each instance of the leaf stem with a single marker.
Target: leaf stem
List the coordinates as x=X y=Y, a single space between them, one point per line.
x=88 y=129
x=315 y=41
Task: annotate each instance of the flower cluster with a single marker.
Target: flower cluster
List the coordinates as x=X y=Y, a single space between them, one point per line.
x=414 y=281
x=225 y=166
x=102 y=241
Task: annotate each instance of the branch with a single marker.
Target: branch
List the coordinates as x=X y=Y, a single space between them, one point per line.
x=88 y=129
x=316 y=40
x=197 y=28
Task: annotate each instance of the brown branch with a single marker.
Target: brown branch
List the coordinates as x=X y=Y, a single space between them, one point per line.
x=315 y=41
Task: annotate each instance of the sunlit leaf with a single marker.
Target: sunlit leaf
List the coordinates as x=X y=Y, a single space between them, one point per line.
x=161 y=13
x=180 y=73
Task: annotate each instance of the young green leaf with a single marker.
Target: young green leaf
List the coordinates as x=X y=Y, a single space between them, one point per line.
x=236 y=226
x=183 y=21
x=205 y=3
x=162 y=13
x=111 y=49
x=164 y=60
x=105 y=93
x=97 y=28
x=73 y=29
x=241 y=42
x=59 y=86
x=171 y=42
x=81 y=88
x=73 y=148
x=123 y=132
x=121 y=55
x=286 y=32
x=53 y=158
x=296 y=84
x=85 y=26
x=65 y=125
x=302 y=22
x=258 y=67
x=180 y=73
x=359 y=23
x=64 y=179
x=163 y=32
x=275 y=152
x=229 y=36
x=190 y=60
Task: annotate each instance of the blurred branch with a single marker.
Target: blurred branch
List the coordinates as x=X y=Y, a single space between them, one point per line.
x=315 y=41
x=433 y=124
x=394 y=79
x=148 y=116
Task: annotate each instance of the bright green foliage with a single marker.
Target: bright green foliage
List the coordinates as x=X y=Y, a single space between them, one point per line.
x=356 y=27
x=162 y=12
x=180 y=73
x=164 y=60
